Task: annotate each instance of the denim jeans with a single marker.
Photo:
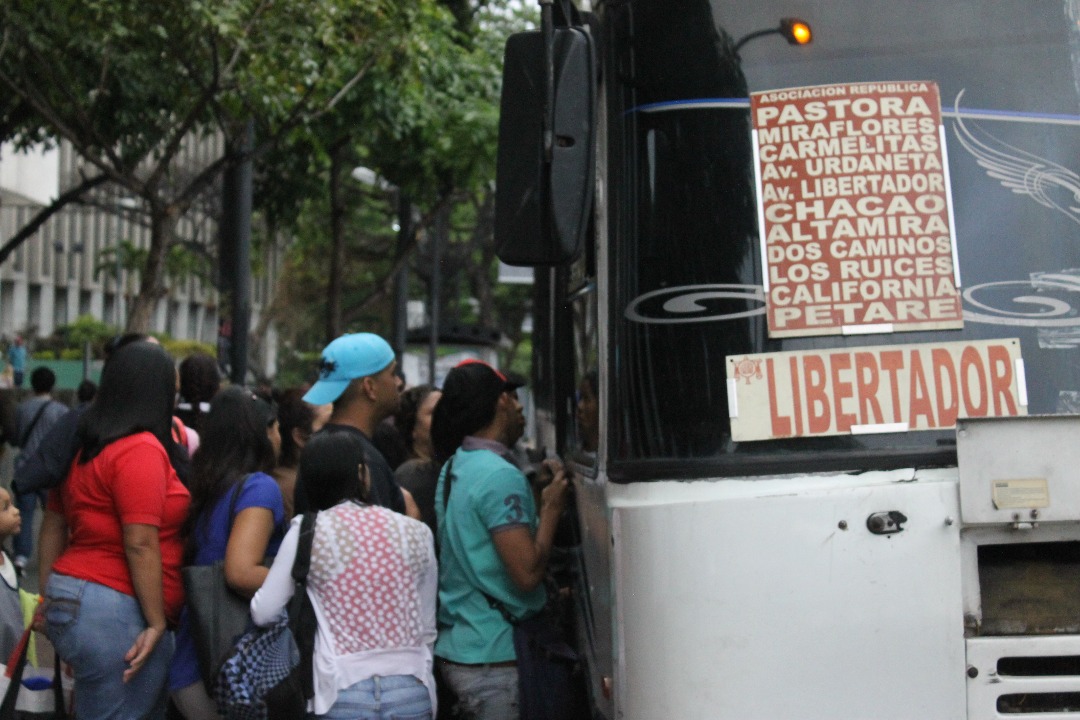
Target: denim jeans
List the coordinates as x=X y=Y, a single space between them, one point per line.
x=391 y=697
x=92 y=627
x=483 y=692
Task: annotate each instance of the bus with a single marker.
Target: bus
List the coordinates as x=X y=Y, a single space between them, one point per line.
x=806 y=328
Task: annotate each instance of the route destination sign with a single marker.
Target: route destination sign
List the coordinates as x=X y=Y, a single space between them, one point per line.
x=854 y=209
x=879 y=389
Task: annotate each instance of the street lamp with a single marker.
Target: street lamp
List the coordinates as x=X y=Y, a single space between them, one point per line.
x=794 y=30
x=367 y=176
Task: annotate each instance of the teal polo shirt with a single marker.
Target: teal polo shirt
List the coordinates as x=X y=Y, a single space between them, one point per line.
x=488 y=494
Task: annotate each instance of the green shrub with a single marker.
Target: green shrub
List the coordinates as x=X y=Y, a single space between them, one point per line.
x=297 y=368
x=86 y=329
x=180 y=349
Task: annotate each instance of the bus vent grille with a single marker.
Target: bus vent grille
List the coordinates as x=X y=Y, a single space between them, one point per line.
x=1024 y=703
x=1016 y=676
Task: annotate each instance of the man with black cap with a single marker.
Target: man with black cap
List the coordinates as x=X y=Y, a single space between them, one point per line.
x=493 y=542
x=357 y=375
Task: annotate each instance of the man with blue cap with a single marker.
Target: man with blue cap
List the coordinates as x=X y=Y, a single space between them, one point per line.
x=357 y=375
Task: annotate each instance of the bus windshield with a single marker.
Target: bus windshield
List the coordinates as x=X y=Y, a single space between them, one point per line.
x=687 y=274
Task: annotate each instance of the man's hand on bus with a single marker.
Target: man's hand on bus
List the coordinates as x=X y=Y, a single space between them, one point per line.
x=553 y=498
x=548 y=468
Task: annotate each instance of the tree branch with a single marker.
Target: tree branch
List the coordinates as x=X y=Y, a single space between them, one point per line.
x=248 y=30
x=348 y=86
x=384 y=288
x=46 y=67
x=179 y=132
x=201 y=182
x=45 y=213
x=64 y=131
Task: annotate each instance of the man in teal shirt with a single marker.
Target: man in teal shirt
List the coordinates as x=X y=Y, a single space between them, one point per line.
x=494 y=545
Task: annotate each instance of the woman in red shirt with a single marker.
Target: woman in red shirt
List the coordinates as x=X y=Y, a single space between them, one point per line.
x=111 y=546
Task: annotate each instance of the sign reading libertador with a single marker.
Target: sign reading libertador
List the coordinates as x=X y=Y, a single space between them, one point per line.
x=854 y=209
x=882 y=388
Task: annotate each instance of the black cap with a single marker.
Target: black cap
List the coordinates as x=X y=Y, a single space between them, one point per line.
x=483 y=374
x=469 y=395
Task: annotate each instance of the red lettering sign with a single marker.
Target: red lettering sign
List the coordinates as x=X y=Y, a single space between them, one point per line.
x=877 y=389
x=854 y=209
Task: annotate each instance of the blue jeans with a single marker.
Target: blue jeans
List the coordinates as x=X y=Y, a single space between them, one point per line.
x=92 y=627
x=27 y=504
x=393 y=697
x=484 y=692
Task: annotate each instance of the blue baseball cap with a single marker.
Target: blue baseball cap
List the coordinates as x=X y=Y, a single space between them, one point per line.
x=345 y=359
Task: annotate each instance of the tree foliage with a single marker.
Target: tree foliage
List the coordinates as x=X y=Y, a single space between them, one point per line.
x=409 y=89
x=427 y=123
x=133 y=88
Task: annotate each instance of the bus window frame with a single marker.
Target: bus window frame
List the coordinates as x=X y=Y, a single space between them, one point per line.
x=763 y=466
x=798 y=457
x=581 y=288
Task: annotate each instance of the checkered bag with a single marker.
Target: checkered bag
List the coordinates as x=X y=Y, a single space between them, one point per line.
x=262 y=658
x=268 y=674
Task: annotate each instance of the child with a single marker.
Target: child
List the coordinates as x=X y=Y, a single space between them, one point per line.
x=11 y=616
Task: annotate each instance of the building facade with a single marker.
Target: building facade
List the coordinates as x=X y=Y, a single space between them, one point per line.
x=71 y=267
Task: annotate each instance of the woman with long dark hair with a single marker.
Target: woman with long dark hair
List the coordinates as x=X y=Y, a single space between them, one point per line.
x=419 y=474
x=237 y=515
x=298 y=422
x=372 y=581
x=111 y=547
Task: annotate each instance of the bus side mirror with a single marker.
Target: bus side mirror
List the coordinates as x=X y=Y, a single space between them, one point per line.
x=542 y=210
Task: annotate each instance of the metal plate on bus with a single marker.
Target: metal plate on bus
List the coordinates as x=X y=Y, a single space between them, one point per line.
x=1019 y=470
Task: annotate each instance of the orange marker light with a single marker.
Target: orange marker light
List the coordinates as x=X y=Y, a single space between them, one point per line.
x=796 y=31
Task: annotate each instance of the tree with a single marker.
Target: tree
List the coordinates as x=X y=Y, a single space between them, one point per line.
x=425 y=118
x=426 y=121
x=470 y=254
x=135 y=92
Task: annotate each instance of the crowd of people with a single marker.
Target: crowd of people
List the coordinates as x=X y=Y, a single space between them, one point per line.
x=428 y=536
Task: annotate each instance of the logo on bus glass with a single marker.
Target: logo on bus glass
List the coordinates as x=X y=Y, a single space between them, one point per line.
x=748 y=369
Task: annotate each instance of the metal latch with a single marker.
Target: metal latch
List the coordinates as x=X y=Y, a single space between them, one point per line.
x=886 y=523
x=1018 y=524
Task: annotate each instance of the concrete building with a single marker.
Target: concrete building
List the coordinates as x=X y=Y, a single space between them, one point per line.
x=69 y=268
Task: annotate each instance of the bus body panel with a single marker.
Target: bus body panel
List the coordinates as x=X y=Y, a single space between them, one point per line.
x=823 y=619
x=594 y=585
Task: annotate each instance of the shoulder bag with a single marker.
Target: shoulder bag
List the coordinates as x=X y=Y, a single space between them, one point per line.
x=33 y=423
x=217 y=614
x=269 y=676
x=11 y=706
x=22 y=457
x=547 y=666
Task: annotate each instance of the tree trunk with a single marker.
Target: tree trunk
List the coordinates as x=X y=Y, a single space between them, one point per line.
x=272 y=308
x=482 y=286
x=337 y=236
x=163 y=221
